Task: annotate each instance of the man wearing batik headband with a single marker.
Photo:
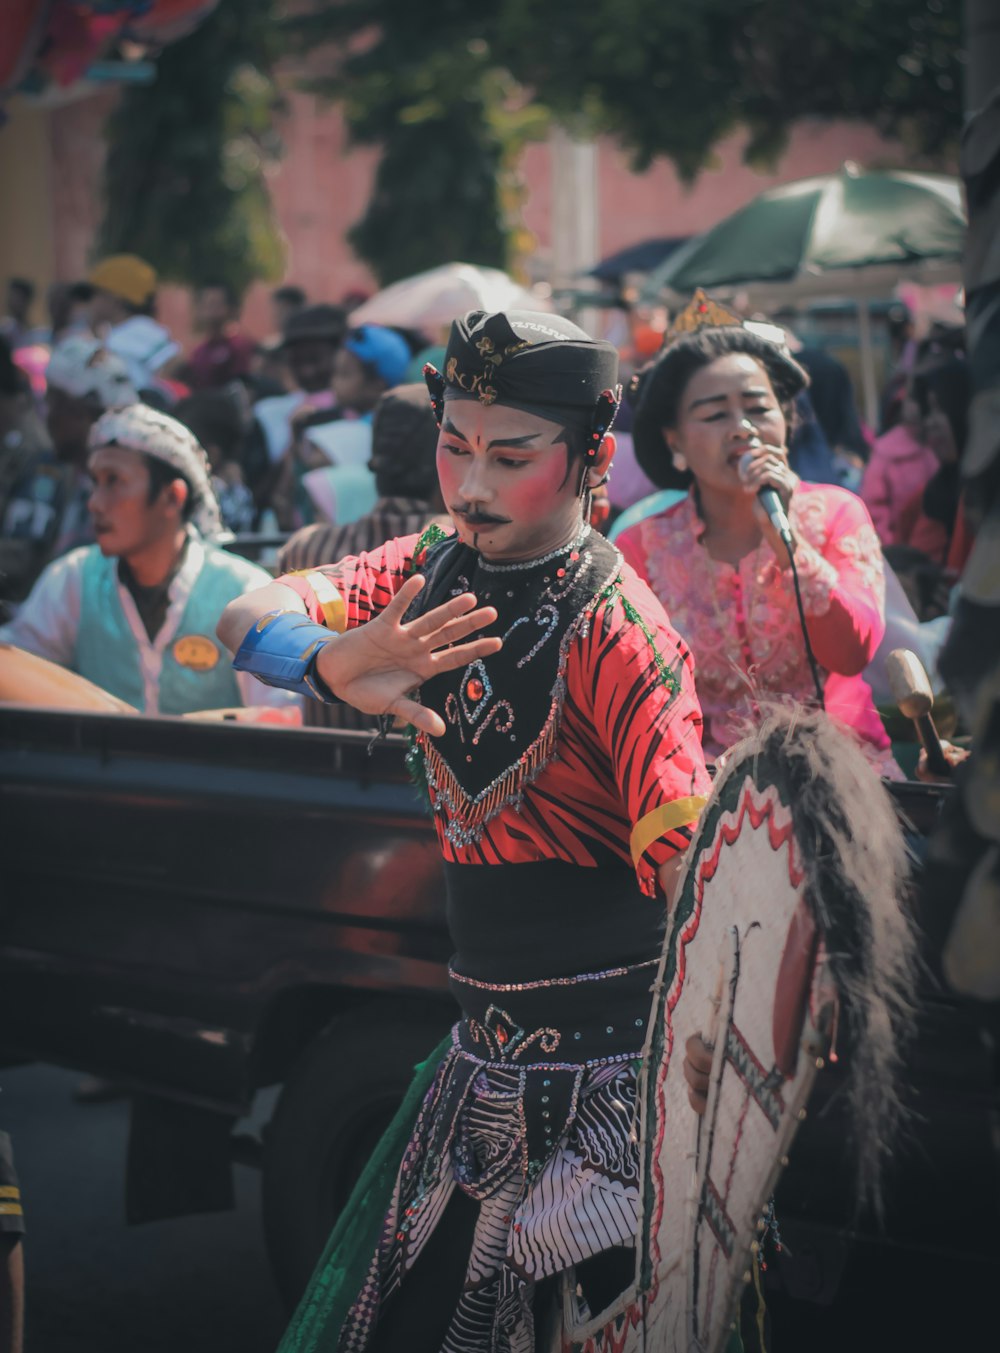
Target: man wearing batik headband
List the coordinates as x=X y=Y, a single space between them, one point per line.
x=136 y=613
x=558 y=734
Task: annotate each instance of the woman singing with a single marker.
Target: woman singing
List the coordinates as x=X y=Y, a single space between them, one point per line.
x=713 y=413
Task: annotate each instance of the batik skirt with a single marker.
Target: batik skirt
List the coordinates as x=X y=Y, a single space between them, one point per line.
x=531 y=1114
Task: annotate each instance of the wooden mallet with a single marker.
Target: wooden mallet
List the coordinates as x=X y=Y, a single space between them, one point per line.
x=912 y=692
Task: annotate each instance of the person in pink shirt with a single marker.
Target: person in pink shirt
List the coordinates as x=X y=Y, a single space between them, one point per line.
x=712 y=413
x=225 y=354
x=899 y=469
x=935 y=520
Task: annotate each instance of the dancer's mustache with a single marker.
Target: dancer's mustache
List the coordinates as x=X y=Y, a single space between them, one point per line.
x=476 y=517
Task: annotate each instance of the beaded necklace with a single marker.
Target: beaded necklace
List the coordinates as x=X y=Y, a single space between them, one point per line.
x=522 y=564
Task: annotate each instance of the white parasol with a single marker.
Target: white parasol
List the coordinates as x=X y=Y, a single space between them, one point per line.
x=431 y=299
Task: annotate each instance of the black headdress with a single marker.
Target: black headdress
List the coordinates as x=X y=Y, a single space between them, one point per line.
x=532 y=361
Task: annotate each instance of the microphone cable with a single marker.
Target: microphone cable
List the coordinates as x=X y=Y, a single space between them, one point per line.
x=813 y=664
x=810 y=655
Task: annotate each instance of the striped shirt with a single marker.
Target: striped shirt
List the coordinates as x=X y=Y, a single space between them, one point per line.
x=325 y=543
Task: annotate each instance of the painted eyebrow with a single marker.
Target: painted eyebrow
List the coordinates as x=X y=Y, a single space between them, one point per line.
x=757 y=393
x=514 y=442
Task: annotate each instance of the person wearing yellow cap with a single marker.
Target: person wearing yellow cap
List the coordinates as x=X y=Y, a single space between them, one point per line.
x=121 y=313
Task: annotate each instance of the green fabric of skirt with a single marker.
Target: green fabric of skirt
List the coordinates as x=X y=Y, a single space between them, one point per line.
x=339 y=1275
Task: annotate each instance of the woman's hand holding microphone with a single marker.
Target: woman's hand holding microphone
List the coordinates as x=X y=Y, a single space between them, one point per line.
x=766 y=474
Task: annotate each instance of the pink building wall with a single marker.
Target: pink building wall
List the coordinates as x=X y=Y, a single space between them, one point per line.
x=321 y=185
x=319 y=188
x=637 y=207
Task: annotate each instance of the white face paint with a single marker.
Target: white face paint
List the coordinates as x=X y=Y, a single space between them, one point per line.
x=509 y=481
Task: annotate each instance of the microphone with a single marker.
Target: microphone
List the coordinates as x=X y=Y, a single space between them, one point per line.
x=770 y=502
x=773 y=506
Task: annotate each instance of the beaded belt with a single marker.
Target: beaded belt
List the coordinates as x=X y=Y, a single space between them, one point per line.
x=589 y=1019
x=549 y=1032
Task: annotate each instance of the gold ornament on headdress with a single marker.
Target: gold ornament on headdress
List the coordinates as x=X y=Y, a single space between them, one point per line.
x=701 y=312
x=477 y=382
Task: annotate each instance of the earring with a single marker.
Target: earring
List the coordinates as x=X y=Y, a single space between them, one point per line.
x=680 y=463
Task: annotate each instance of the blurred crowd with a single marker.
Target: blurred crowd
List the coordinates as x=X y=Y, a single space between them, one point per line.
x=268 y=414
x=319 y=441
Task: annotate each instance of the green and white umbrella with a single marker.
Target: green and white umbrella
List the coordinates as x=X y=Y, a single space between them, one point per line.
x=852 y=234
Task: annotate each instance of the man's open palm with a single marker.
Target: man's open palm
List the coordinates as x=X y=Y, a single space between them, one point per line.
x=377 y=666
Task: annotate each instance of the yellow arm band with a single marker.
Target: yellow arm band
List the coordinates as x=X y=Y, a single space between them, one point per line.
x=330 y=601
x=662 y=820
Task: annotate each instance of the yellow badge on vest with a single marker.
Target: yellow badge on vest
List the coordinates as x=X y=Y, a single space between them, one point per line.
x=197 y=652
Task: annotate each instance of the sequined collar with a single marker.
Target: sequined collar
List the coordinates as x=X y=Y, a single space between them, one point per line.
x=526 y=565
x=501 y=713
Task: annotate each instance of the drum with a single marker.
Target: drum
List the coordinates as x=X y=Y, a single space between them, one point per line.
x=790 y=909
x=26 y=679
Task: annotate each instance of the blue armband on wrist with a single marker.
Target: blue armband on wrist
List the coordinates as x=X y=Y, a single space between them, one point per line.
x=281 y=650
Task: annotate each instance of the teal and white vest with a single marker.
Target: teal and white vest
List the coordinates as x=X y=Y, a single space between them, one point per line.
x=184 y=667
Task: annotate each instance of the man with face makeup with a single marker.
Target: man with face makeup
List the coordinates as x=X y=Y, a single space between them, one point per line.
x=556 y=728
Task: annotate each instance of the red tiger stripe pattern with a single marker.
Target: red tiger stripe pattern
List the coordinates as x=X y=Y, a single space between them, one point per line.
x=612 y=768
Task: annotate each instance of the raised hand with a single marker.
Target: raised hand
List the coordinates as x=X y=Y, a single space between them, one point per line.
x=376 y=667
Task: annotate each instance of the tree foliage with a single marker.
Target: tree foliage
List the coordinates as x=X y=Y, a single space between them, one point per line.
x=435 y=197
x=419 y=80
x=671 y=79
x=453 y=88
x=184 y=176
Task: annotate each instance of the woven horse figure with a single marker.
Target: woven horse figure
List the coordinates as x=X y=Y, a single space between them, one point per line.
x=790 y=910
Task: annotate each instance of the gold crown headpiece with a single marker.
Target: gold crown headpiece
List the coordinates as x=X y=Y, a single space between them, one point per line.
x=701 y=312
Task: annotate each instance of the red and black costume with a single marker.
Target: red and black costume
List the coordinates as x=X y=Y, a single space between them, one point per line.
x=570 y=770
